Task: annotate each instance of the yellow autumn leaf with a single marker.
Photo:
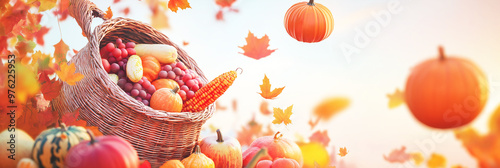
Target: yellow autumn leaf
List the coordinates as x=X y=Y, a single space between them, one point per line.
x=281 y=116
x=265 y=88
x=436 y=161
x=396 y=99
x=68 y=75
x=44 y=4
x=343 y=151
x=418 y=158
x=331 y=106
x=175 y=4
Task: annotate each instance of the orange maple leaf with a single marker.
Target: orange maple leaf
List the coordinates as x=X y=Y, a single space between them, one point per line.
x=24 y=46
x=398 y=156
x=68 y=75
x=343 y=151
x=265 y=88
x=12 y=15
x=109 y=13
x=436 y=161
x=331 y=106
x=225 y=3
x=313 y=123
x=396 y=99
x=60 y=52
x=264 y=108
x=71 y=119
x=185 y=43
x=39 y=35
x=321 y=137
x=62 y=10
x=250 y=132
x=175 y=4
x=219 y=15
x=281 y=116
x=256 y=48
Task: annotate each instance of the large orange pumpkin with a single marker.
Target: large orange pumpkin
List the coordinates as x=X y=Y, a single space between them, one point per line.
x=446 y=92
x=151 y=67
x=309 y=22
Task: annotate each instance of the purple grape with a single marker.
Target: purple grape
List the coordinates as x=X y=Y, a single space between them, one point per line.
x=186 y=77
x=112 y=60
x=143 y=94
x=125 y=60
x=128 y=87
x=121 y=63
x=189 y=94
x=183 y=73
x=134 y=93
x=121 y=46
x=177 y=71
x=122 y=82
x=171 y=75
x=137 y=86
x=114 y=67
x=124 y=67
x=195 y=88
x=182 y=93
x=119 y=41
x=180 y=82
x=145 y=102
x=167 y=68
x=141 y=81
x=190 y=83
x=163 y=74
x=130 y=45
x=148 y=96
x=121 y=74
x=151 y=89
x=181 y=65
x=139 y=99
x=146 y=84
x=185 y=88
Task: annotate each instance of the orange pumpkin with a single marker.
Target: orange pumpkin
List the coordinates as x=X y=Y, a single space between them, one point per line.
x=198 y=159
x=167 y=100
x=446 y=92
x=151 y=67
x=172 y=164
x=309 y=22
x=165 y=83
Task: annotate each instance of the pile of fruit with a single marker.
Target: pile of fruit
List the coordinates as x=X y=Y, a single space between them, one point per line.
x=143 y=70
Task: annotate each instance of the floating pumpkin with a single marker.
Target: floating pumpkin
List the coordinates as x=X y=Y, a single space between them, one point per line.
x=165 y=83
x=277 y=148
x=309 y=22
x=26 y=163
x=52 y=145
x=224 y=151
x=18 y=147
x=278 y=163
x=102 y=151
x=446 y=92
x=172 y=164
x=198 y=159
x=151 y=67
x=167 y=100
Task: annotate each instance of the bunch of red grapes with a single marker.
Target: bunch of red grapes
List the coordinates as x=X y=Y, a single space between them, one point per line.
x=114 y=59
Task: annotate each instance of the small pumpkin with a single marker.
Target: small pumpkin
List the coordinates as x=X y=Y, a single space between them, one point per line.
x=26 y=163
x=151 y=67
x=309 y=22
x=167 y=100
x=277 y=148
x=278 y=163
x=198 y=159
x=18 y=146
x=165 y=83
x=446 y=92
x=102 y=151
x=52 y=145
x=224 y=151
x=172 y=164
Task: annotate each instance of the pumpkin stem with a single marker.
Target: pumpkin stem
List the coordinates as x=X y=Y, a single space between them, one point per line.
x=197 y=149
x=311 y=3
x=219 y=136
x=175 y=90
x=278 y=135
x=63 y=126
x=92 y=137
x=441 y=53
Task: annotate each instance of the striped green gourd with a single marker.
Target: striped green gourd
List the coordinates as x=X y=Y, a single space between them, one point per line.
x=51 y=146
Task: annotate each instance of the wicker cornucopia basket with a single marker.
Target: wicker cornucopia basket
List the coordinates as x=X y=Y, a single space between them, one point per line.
x=156 y=135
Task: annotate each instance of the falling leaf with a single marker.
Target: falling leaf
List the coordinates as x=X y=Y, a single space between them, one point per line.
x=116 y=1
x=321 y=137
x=185 y=43
x=75 y=51
x=249 y=132
x=343 y=151
x=109 y=13
x=235 y=105
x=50 y=87
x=159 y=19
x=175 y=4
x=313 y=123
x=26 y=83
x=314 y=152
x=256 y=48
x=418 y=158
x=126 y=11
x=71 y=119
x=24 y=46
x=219 y=107
x=62 y=10
x=39 y=35
x=244 y=137
x=398 y=156
x=45 y=4
x=68 y=75
x=225 y=3
x=219 y=16
x=264 y=108
x=281 y=116
x=60 y=52
x=265 y=88
x=436 y=161
x=331 y=106
x=11 y=16
x=396 y=99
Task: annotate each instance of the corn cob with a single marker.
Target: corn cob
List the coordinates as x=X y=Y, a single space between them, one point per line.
x=210 y=92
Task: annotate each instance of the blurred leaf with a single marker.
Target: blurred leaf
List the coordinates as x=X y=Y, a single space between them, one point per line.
x=71 y=119
x=398 y=156
x=26 y=83
x=265 y=88
x=60 y=52
x=396 y=99
x=264 y=108
x=313 y=123
x=281 y=116
x=457 y=166
x=159 y=19
x=418 y=158
x=185 y=43
x=62 y=10
x=312 y=153
x=225 y=3
x=436 y=161
x=235 y=105
x=320 y=137
x=34 y=120
x=45 y=4
x=219 y=107
x=256 y=48
x=175 y=4
x=220 y=15
x=11 y=16
x=126 y=11
x=68 y=75
x=343 y=151
x=249 y=132
x=331 y=106
x=24 y=46
x=39 y=35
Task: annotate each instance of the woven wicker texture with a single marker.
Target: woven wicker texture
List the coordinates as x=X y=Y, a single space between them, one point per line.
x=156 y=135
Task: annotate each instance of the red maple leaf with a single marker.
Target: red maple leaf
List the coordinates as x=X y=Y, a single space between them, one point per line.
x=39 y=35
x=225 y=3
x=50 y=87
x=219 y=15
x=256 y=48
x=11 y=16
x=62 y=10
x=35 y=119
